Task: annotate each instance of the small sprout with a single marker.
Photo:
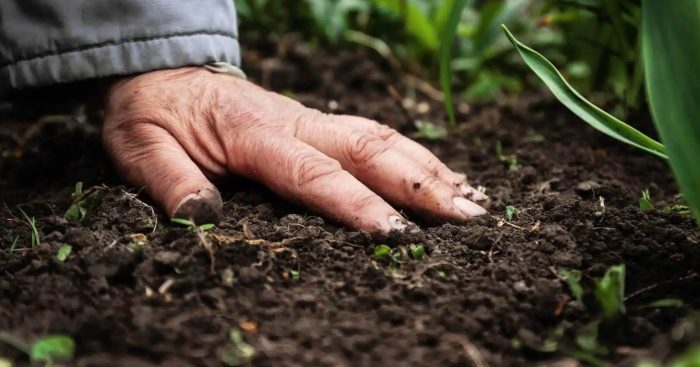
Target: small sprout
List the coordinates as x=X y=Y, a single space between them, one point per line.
x=680 y=209
x=509 y=212
x=601 y=203
x=610 y=291
x=14 y=244
x=381 y=251
x=645 y=201
x=239 y=353
x=573 y=280
x=665 y=303
x=511 y=160
x=64 y=252
x=81 y=201
x=295 y=274
x=417 y=251
x=31 y=222
x=192 y=226
x=429 y=130
x=52 y=348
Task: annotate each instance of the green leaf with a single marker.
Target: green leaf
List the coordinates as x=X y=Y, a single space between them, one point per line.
x=64 y=252
x=587 y=339
x=447 y=39
x=573 y=280
x=417 y=22
x=52 y=348
x=184 y=222
x=594 y=116
x=610 y=291
x=429 y=130
x=671 y=49
x=207 y=227
x=381 y=251
x=295 y=274
x=665 y=303
x=509 y=212
x=417 y=252
x=645 y=201
x=239 y=353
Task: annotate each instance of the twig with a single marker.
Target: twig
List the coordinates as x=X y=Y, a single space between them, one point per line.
x=648 y=288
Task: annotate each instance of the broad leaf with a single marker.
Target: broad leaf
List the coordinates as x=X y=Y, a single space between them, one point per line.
x=594 y=116
x=671 y=48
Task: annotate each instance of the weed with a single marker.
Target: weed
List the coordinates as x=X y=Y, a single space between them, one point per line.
x=64 y=252
x=610 y=292
x=645 y=201
x=48 y=349
x=509 y=212
x=417 y=252
x=31 y=222
x=238 y=353
x=430 y=131
x=81 y=202
x=511 y=160
x=192 y=226
x=573 y=280
x=14 y=244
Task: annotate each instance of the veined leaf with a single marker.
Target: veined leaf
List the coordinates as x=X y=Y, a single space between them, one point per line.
x=594 y=116
x=671 y=49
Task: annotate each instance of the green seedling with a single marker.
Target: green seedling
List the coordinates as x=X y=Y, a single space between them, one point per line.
x=509 y=212
x=238 y=353
x=610 y=292
x=48 y=349
x=192 y=226
x=645 y=201
x=14 y=244
x=64 y=252
x=510 y=160
x=295 y=274
x=417 y=252
x=429 y=130
x=680 y=209
x=573 y=280
x=31 y=222
x=448 y=34
x=381 y=251
x=82 y=201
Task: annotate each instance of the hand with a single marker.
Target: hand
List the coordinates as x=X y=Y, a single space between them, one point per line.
x=171 y=131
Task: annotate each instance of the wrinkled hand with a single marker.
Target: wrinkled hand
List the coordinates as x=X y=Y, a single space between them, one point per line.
x=169 y=131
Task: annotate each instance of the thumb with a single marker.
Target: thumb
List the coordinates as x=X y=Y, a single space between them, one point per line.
x=149 y=157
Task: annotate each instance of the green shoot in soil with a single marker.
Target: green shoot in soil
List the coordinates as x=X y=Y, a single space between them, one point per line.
x=192 y=226
x=448 y=36
x=417 y=251
x=430 y=131
x=48 y=349
x=573 y=280
x=610 y=292
x=295 y=274
x=64 y=252
x=381 y=251
x=238 y=353
x=511 y=160
x=31 y=222
x=510 y=212
x=14 y=244
x=82 y=201
x=645 y=201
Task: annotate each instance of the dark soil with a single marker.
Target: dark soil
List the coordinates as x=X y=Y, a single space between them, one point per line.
x=138 y=291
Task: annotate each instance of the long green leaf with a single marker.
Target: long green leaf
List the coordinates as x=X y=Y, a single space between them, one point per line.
x=671 y=49
x=594 y=116
x=447 y=39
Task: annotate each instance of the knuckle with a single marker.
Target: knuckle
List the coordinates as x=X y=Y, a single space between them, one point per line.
x=361 y=202
x=364 y=148
x=313 y=168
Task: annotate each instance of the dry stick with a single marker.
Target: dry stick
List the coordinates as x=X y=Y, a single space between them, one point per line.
x=648 y=288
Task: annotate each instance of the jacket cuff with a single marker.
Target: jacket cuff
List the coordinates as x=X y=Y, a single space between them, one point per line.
x=122 y=58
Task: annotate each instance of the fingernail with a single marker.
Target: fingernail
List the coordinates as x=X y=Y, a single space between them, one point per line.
x=467 y=207
x=472 y=194
x=204 y=206
x=397 y=222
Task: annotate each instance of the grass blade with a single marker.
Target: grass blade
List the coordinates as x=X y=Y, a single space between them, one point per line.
x=594 y=116
x=447 y=39
x=671 y=49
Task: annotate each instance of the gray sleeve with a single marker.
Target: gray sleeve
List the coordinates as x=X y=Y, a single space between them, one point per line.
x=46 y=42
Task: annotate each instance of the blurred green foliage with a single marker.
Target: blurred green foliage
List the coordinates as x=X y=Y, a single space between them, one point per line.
x=596 y=41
